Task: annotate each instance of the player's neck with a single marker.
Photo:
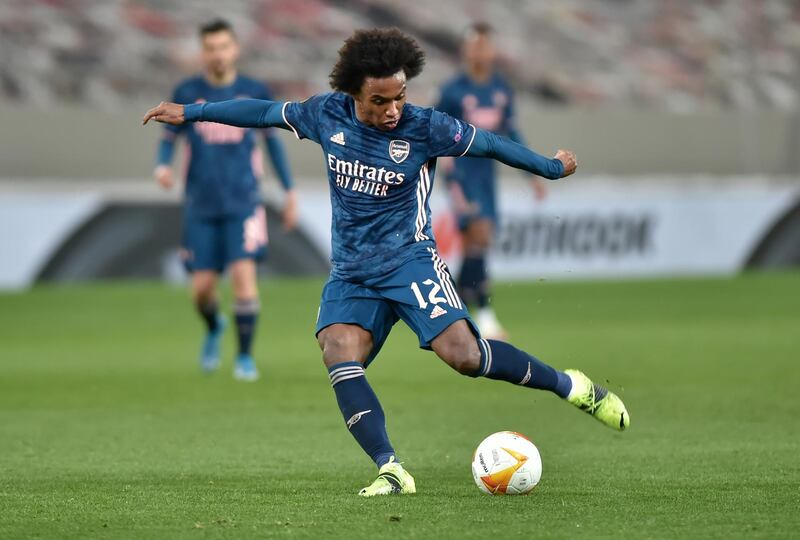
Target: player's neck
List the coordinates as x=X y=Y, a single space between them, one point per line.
x=225 y=79
x=479 y=75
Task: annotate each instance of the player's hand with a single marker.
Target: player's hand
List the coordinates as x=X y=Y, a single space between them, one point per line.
x=567 y=157
x=163 y=175
x=539 y=188
x=166 y=113
x=290 y=212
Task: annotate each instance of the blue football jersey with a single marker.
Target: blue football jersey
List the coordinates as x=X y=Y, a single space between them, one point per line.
x=488 y=106
x=380 y=181
x=224 y=161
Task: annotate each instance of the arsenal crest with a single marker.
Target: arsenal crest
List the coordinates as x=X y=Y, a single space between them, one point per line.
x=399 y=150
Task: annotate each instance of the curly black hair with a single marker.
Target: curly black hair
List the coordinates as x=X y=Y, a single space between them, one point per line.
x=378 y=52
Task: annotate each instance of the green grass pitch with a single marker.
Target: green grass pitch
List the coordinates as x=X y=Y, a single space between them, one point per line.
x=108 y=430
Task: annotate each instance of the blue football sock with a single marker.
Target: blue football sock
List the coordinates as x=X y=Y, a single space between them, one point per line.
x=361 y=410
x=504 y=362
x=209 y=311
x=246 y=312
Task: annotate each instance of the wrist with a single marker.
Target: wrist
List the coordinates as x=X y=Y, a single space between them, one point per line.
x=192 y=112
x=559 y=168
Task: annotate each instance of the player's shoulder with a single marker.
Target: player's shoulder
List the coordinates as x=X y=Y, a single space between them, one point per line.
x=418 y=119
x=316 y=110
x=426 y=114
x=418 y=113
x=333 y=103
x=433 y=127
x=331 y=99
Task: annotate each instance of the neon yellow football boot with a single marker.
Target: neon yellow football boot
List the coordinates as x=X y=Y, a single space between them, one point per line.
x=392 y=479
x=594 y=399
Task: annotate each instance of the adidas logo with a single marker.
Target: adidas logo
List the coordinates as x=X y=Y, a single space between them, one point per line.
x=338 y=138
x=437 y=312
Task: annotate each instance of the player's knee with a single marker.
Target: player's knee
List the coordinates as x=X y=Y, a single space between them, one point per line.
x=459 y=351
x=341 y=343
x=244 y=279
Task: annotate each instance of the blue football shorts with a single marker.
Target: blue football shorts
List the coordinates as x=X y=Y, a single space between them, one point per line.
x=420 y=292
x=213 y=243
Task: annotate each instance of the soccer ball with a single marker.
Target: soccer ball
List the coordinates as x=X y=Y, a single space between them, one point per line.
x=506 y=463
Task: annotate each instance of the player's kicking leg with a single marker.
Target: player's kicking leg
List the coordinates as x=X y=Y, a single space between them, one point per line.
x=205 y=299
x=460 y=349
x=246 y=309
x=345 y=350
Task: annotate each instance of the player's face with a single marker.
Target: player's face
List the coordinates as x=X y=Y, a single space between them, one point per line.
x=479 y=52
x=220 y=52
x=380 y=102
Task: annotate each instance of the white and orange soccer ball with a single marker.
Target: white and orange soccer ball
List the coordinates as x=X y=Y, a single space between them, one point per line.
x=506 y=463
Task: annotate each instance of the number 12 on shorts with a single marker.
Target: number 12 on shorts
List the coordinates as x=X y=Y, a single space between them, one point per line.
x=433 y=294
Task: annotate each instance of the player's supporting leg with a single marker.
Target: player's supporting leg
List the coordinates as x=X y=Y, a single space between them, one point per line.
x=345 y=348
x=474 y=357
x=246 y=310
x=205 y=300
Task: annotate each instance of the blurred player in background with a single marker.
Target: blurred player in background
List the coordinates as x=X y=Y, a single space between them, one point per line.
x=381 y=155
x=482 y=97
x=224 y=224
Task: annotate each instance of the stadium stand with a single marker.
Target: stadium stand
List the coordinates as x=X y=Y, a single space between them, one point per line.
x=681 y=56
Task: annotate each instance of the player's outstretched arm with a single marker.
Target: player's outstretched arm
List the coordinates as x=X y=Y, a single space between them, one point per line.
x=256 y=113
x=487 y=144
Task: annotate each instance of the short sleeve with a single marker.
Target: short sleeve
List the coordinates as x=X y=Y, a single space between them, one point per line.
x=448 y=136
x=303 y=117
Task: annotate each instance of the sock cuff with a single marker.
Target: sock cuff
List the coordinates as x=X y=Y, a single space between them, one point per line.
x=248 y=306
x=344 y=371
x=486 y=357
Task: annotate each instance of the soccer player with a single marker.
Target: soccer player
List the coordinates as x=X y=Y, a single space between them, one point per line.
x=380 y=153
x=224 y=224
x=482 y=97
